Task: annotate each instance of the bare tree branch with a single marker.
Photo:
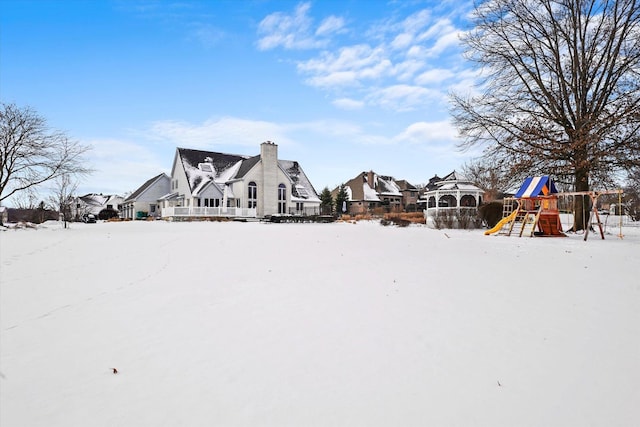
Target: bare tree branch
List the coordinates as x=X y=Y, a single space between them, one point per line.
x=32 y=154
x=561 y=92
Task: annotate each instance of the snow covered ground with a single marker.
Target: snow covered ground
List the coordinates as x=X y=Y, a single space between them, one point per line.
x=253 y=324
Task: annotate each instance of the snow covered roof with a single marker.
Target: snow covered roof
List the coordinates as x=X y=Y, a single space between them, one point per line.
x=369 y=193
x=454 y=177
x=455 y=181
x=301 y=187
x=202 y=167
x=451 y=182
x=369 y=186
x=387 y=186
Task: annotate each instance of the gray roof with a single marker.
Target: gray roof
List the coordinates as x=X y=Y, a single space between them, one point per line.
x=226 y=167
x=133 y=196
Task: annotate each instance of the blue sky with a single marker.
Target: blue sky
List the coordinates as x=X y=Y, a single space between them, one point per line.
x=341 y=86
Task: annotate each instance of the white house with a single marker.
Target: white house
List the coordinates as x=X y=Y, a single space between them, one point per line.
x=93 y=203
x=144 y=201
x=205 y=183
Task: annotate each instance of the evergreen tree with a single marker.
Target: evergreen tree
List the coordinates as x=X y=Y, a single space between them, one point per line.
x=326 y=202
x=342 y=198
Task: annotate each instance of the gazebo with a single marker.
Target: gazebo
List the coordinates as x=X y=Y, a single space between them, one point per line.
x=453 y=192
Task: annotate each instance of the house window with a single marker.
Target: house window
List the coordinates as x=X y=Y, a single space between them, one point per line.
x=252 y=197
x=282 y=199
x=299 y=207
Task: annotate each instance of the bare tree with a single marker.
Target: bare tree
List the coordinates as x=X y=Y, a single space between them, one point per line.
x=493 y=176
x=61 y=197
x=561 y=89
x=632 y=195
x=31 y=153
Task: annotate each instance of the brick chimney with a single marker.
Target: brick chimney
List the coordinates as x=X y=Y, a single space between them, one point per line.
x=370 y=179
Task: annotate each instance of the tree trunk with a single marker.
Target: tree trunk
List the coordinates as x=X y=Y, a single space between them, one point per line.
x=582 y=204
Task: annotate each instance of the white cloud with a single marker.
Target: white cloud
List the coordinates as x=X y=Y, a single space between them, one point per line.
x=350 y=65
x=434 y=76
x=222 y=131
x=332 y=24
x=417 y=21
x=135 y=164
x=445 y=41
x=401 y=41
x=294 y=31
x=402 y=97
x=385 y=70
x=407 y=69
x=348 y=104
x=429 y=132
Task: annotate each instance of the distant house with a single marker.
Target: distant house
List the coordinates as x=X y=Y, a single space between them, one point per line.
x=93 y=203
x=205 y=183
x=369 y=191
x=144 y=201
x=410 y=195
x=4 y=215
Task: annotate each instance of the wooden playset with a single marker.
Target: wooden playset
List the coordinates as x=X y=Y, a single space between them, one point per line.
x=533 y=210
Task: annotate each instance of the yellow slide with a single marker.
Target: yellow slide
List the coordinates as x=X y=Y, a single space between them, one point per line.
x=503 y=221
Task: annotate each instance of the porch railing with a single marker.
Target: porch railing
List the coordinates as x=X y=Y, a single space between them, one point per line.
x=305 y=211
x=186 y=211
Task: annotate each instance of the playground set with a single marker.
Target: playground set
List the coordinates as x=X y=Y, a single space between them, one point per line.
x=533 y=210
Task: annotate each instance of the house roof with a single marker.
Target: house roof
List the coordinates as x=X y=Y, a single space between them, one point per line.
x=247 y=165
x=201 y=166
x=454 y=181
x=301 y=187
x=361 y=188
x=133 y=196
x=451 y=182
x=93 y=199
x=386 y=185
x=535 y=186
x=404 y=185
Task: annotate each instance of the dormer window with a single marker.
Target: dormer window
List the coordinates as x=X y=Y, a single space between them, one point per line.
x=302 y=192
x=205 y=167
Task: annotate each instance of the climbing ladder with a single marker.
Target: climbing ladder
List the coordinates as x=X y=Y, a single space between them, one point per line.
x=525 y=220
x=524 y=223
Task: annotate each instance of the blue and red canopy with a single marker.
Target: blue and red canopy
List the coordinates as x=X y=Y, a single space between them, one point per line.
x=535 y=186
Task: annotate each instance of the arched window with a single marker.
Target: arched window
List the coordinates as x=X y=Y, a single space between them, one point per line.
x=447 y=201
x=432 y=202
x=282 y=199
x=468 y=201
x=252 y=196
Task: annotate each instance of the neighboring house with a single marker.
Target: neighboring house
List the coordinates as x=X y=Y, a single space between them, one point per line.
x=205 y=183
x=4 y=215
x=410 y=195
x=454 y=191
x=95 y=203
x=144 y=201
x=369 y=191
